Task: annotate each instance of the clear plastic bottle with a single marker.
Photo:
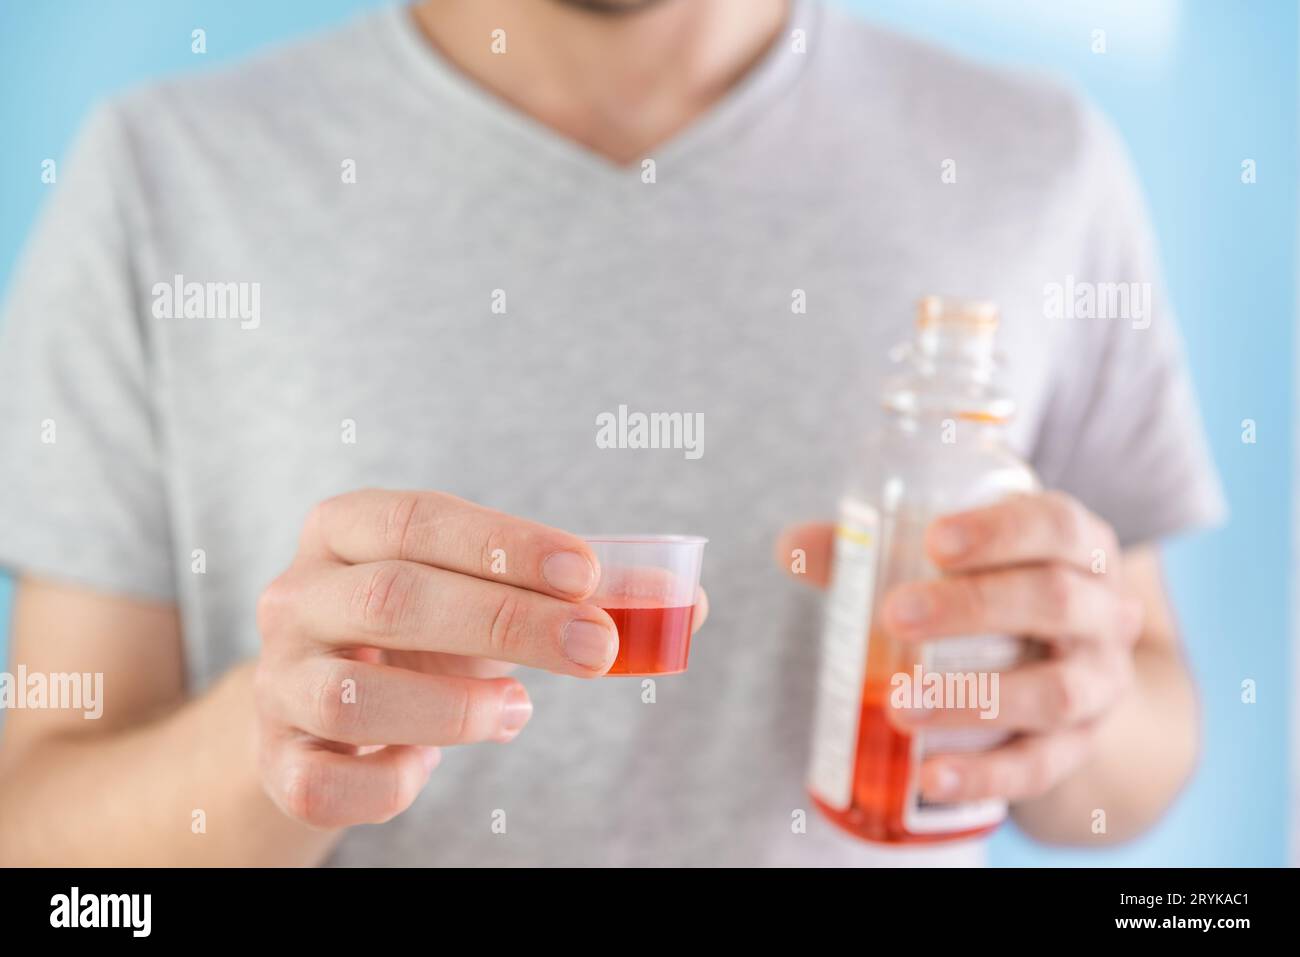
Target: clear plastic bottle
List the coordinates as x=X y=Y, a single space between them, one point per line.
x=940 y=449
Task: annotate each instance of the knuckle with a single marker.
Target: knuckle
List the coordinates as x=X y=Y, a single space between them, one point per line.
x=494 y=542
x=333 y=714
x=1065 y=693
x=328 y=511
x=1059 y=593
x=998 y=778
x=275 y=606
x=313 y=523
x=461 y=710
x=400 y=521
x=973 y=596
x=401 y=791
x=302 y=794
x=383 y=599
x=1067 y=519
x=1010 y=523
x=506 y=633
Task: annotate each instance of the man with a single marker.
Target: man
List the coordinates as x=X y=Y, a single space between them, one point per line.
x=459 y=234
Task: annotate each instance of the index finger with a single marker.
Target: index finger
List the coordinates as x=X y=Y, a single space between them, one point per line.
x=1047 y=527
x=447 y=532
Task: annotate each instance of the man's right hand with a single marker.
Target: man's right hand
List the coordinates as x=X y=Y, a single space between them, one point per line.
x=391 y=634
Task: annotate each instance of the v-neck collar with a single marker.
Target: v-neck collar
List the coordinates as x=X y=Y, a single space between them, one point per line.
x=776 y=71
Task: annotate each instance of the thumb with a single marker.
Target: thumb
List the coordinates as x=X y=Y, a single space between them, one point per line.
x=804 y=551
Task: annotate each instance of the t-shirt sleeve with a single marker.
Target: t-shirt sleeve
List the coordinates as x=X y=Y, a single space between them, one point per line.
x=84 y=498
x=1122 y=431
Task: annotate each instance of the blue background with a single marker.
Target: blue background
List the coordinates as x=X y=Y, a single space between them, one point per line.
x=1195 y=87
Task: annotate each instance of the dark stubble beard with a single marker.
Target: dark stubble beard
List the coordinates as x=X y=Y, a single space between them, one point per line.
x=614 y=8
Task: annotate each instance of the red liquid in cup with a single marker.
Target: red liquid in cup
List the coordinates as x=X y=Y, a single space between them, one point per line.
x=651 y=641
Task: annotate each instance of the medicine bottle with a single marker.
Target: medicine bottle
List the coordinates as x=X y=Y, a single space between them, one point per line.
x=940 y=448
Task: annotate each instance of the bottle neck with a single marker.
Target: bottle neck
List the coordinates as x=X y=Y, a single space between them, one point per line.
x=948 y=372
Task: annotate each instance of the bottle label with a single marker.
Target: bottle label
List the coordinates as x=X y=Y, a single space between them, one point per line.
x=921 y=816
x=984 y=653
x=844 y=655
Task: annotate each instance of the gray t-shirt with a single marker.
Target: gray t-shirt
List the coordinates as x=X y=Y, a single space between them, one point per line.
x=448 y=295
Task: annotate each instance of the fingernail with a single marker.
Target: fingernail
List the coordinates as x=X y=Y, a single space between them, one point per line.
x=430 y=756
x=950 y=539
x=910 y=606
x=943 y=782
x=589 y=644
x=516 y=709
x=568 y=572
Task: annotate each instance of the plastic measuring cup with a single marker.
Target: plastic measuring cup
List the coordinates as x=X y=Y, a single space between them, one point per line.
x=648 y=585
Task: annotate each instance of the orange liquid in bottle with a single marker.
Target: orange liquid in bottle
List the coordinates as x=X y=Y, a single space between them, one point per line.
x=651 y=641
x=883 y=767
